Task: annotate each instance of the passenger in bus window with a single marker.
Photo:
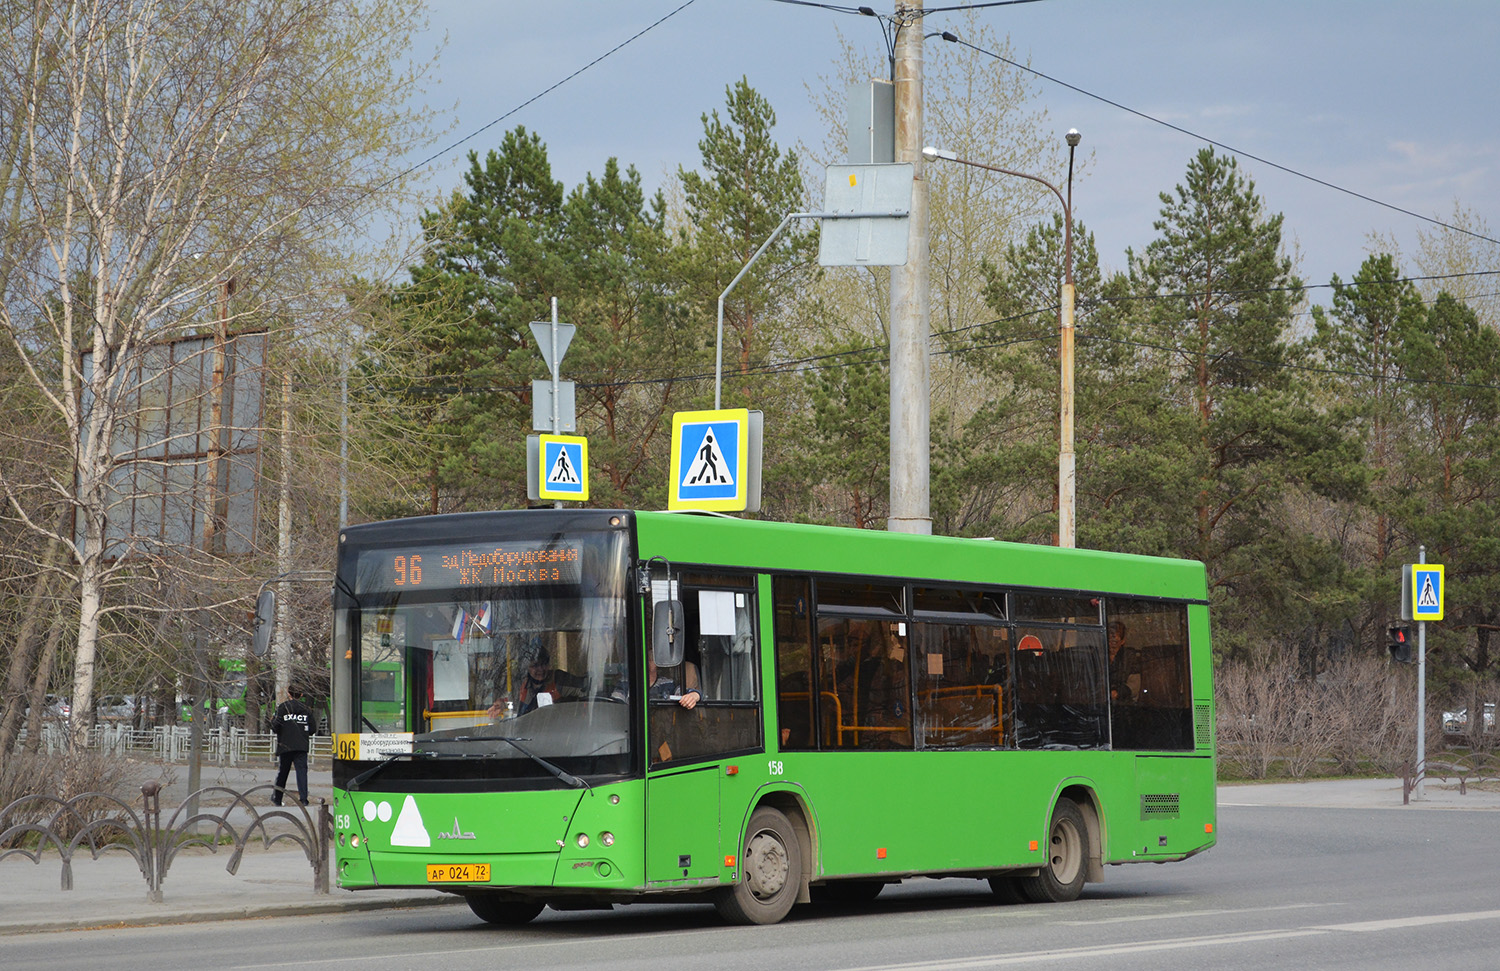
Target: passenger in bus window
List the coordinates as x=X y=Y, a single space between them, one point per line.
x=663 y=687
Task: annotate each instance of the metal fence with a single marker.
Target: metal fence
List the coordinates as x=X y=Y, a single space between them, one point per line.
x=36 y=826
x=173 y=743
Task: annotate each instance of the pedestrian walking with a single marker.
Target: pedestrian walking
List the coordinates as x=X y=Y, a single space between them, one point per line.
x=294 y=725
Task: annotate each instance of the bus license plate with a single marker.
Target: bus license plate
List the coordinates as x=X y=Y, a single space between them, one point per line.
x=458 y=873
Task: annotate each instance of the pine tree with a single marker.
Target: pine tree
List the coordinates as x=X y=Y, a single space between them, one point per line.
x=1242 y=435
x=1452 y=458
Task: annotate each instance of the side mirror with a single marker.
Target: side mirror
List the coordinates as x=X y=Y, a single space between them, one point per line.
x=666 y=633
x=265 y=621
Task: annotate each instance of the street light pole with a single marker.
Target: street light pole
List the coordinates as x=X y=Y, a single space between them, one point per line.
x=1067 y=468
x=1067 y=481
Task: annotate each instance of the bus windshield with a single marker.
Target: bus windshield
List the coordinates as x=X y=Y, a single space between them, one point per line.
x=510 y=650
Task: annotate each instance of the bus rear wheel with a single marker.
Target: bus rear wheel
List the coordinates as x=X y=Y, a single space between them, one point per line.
x=770 y=872
x=1061 y=876
x=504 y=911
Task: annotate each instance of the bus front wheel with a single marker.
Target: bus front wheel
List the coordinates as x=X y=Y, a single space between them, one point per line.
x=1061 y=876
x=770 y=872
x=504 y=911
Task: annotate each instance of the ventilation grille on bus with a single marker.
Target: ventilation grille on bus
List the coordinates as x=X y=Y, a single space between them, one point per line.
x=1203 y=726
x=1159 y=805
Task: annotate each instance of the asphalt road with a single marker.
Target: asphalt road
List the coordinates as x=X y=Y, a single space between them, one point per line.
x=1287 y=887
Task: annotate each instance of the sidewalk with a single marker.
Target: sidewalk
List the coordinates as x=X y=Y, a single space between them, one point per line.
x=1359 y=794
x=110 y=891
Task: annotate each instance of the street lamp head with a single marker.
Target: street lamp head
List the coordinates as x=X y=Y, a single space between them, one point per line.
x=1073 y=137
x=931 y=152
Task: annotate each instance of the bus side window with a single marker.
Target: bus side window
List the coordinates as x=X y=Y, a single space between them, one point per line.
x=1153 y=710
x=794 y=699
x=719 y=627
x=962 y=690
x=726 y=645
x=1061 y=688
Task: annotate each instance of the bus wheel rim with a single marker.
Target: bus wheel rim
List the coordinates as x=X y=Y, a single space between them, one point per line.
x=1067 y=851
x=766 y=865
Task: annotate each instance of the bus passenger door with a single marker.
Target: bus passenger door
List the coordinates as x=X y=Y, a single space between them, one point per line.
x=682 y=827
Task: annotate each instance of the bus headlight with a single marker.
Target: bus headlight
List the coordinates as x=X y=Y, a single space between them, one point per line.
x=583 y=840
x=607 y=838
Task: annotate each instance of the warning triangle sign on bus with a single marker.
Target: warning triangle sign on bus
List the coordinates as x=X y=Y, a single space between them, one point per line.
x=708 y=466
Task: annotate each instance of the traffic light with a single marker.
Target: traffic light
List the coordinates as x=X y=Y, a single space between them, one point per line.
x=1399 y=643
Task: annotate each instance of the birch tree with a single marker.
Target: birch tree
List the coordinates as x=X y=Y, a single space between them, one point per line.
x=169 y=168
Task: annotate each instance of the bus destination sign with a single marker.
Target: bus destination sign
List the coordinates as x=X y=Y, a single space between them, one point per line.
x=459 y=565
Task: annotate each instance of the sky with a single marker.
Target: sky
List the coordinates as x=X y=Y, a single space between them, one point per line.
x=1391 y=100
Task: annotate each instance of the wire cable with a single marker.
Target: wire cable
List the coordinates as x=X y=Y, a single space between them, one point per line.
x=1229 y=148
x=531 y=100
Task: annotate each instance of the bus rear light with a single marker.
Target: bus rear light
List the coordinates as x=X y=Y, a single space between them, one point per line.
x=583 y=840
x=607 y=838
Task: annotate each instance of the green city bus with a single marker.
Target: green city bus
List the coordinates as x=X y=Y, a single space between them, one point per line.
x=580 y=707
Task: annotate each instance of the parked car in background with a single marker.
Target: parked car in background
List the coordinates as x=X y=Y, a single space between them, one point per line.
x=116 y=708
x=1457 y=722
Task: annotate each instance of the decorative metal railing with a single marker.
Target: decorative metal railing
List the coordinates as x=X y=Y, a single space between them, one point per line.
x=36 y=826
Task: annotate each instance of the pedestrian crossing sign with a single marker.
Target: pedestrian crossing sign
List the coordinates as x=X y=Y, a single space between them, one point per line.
x=710 y=452
x=564 y=467
x=1426 y=591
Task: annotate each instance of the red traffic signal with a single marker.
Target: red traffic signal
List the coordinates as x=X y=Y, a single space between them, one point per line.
x=1399 y=642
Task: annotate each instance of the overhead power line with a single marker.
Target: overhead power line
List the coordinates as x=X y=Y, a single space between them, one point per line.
x=1228 y=148
x=534 y=98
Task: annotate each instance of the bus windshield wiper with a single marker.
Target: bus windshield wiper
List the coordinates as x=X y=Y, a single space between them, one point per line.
x=371 y=772
x=374 y=770
x=558 y=771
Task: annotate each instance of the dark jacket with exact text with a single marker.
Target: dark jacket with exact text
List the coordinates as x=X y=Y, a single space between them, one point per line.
x=293 y=724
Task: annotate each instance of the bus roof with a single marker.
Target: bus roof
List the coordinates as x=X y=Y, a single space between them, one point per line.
x=719 y=540
x=689 y=538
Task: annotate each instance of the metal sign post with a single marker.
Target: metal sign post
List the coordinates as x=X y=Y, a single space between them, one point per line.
x=1421 y=696
x=1422 y=591
x=552 y=402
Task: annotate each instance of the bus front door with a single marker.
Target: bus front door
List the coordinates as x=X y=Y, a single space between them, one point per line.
x=682 y=828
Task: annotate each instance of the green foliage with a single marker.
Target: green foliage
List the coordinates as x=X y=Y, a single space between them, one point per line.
x=746 y=188
x=849 y=451
x=1451 y=500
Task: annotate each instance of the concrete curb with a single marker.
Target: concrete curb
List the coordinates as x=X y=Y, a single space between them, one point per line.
x=333 y=905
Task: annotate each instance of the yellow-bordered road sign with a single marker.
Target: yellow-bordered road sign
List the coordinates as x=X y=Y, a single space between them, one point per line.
x=564 y=467
x=1426 y=591
x=710 y=457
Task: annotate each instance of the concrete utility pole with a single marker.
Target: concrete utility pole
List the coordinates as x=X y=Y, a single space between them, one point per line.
x=911 y=407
